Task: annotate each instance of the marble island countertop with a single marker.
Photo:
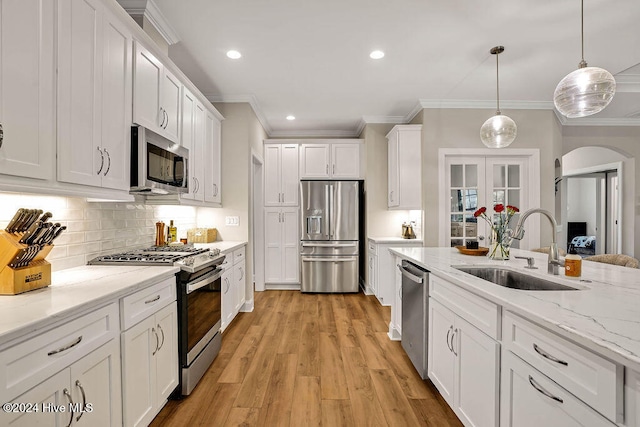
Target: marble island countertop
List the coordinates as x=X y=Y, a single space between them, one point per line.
x=604 y=315
x=73 y=291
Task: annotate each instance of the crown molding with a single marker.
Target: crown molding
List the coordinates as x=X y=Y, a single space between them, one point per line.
x=150 y=10
x=628 y=83
x=598 y=121
x=251 y=100
x=314 y=134
x=477 y=104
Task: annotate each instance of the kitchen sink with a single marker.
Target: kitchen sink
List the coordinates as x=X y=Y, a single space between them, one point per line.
x=514 y=280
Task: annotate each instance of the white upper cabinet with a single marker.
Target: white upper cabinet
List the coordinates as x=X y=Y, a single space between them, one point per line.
x=196 y=156
x=187 y=125
x=212 y=159
x=94 y=96
x=404 y=169
x=156 y=100
x=339 y=159
x=281 y=186
x=27 y=95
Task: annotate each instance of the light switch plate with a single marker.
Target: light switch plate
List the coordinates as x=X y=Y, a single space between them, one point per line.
x=232 y=221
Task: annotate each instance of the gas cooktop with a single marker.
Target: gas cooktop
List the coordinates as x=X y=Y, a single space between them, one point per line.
x=187 y=258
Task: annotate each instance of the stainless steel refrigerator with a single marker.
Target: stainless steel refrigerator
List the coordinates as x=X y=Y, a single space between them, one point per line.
x=331 y=230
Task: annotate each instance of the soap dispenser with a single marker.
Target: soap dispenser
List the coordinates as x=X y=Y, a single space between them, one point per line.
x=572 y=263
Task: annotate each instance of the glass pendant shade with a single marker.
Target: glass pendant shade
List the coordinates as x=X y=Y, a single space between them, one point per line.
x=584 y=92
x=498 y=131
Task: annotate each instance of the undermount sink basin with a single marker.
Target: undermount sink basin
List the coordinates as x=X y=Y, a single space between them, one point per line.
x=514 y=280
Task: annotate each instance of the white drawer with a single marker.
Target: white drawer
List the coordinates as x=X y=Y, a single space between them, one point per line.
x=137 y=307
x=238 y=255
x=31 y=362
x=372 y=248
x=481 y=313
x=592 y=378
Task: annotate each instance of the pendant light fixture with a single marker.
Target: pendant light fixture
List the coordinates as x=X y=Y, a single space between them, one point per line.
x=585 y=91
x=499 y=131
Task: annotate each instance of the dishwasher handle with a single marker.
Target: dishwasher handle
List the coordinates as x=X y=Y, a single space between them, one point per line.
x=410 y=275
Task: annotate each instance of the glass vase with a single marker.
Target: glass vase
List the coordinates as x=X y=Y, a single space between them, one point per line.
x=498 y=249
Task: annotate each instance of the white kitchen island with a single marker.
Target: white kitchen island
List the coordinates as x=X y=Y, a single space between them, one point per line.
x=528 y=350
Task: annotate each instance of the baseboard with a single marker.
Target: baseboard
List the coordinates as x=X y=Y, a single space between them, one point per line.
x=247 y=307
x=282 y=286
x=394 y=334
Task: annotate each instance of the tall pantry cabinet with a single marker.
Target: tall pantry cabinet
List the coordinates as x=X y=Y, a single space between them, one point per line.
x=281 y=188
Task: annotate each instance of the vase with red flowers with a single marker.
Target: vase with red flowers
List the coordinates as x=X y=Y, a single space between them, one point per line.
x=499 y=223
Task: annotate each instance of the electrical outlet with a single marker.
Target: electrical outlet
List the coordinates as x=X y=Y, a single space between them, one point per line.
x=232 y=221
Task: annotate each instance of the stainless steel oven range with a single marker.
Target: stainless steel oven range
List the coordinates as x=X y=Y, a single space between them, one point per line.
x=199 y=303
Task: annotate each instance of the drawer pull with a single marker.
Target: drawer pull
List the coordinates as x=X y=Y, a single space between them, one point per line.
x=548 y=356
x=149 y=301
x=66 y=347
x=543 y=391
x=71 y=405
x=84 y=400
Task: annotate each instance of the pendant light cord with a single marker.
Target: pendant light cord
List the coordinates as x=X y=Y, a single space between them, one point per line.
x=583 y=63
x=497 y=85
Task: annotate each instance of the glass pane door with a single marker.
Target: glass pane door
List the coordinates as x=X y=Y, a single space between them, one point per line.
x=506 y=185
x=465 y=183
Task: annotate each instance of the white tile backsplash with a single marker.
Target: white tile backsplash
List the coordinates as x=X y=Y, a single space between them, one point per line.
x=97 y=228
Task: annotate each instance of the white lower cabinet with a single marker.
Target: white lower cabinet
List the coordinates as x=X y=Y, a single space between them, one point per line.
x=149 y=365
x=530 y=398
x=282 y=240
x=233 y=286
x=464 y=366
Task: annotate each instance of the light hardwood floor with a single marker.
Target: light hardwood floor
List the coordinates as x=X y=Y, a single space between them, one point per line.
x=310 y=359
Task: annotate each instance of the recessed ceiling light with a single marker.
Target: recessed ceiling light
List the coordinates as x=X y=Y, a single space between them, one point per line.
x=376 y=54
x=290 y=117
x=234 y=54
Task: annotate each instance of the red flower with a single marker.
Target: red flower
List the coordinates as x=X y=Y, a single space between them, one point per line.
x=479 y=212
x=512 y=209
x=498 y=208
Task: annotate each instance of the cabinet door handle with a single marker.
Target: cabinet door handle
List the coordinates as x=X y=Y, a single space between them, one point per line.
x=162 y=112
x=538 y=387
x=453 y=337
x=71 y=405
x=334 y=169
x=241 y=273
x=326 y=169
x=84 y=400
x=166 y=123
x=149 y=301
x=546 y=355
x=157 y=341
x=101 y=160
x=162 y=332
x=215 y=189
x=1 y=135
x=226 y=279
x=448 y=334
x=400 y=292
x=66 y=347
x=391 y=195
x=108 y=162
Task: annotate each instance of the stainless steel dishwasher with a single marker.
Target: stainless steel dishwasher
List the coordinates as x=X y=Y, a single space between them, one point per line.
x=415 y=314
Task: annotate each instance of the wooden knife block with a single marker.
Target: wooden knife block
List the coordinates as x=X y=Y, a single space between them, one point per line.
x=17 y=280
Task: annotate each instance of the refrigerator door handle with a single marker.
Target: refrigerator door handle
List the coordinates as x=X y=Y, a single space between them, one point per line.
x=329 y=259
x=332 y=224
x=330 y=245
x=327 y=209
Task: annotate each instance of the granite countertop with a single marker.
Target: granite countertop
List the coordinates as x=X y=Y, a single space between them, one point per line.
x=603 y=316
x=394 y=239
x=225 y=246
x=73 y=291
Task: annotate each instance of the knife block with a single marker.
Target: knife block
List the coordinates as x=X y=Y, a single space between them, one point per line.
x=18 y=280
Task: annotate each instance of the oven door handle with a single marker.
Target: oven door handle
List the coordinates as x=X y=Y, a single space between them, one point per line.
x=204 y=282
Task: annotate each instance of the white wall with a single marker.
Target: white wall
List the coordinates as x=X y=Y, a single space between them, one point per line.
x=581 y=203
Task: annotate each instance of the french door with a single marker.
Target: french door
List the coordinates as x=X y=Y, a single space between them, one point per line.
x=471 y=182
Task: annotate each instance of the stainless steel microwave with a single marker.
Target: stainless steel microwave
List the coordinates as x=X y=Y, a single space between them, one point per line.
x=158 y=166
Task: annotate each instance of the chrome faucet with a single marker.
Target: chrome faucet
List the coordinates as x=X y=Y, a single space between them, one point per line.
x=554 y=259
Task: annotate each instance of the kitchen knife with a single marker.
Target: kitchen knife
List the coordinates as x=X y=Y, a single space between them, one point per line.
x=28 y=214
x=34 y=250
x=33 y=218
x=46 y=238
x=57 y=233
x=19 y=221
x=30 y=231
x=46 y=216
x=15 y=262
x=36 y=239
x=14 y=220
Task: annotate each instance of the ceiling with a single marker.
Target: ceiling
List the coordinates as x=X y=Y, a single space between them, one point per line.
x=311 y=59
